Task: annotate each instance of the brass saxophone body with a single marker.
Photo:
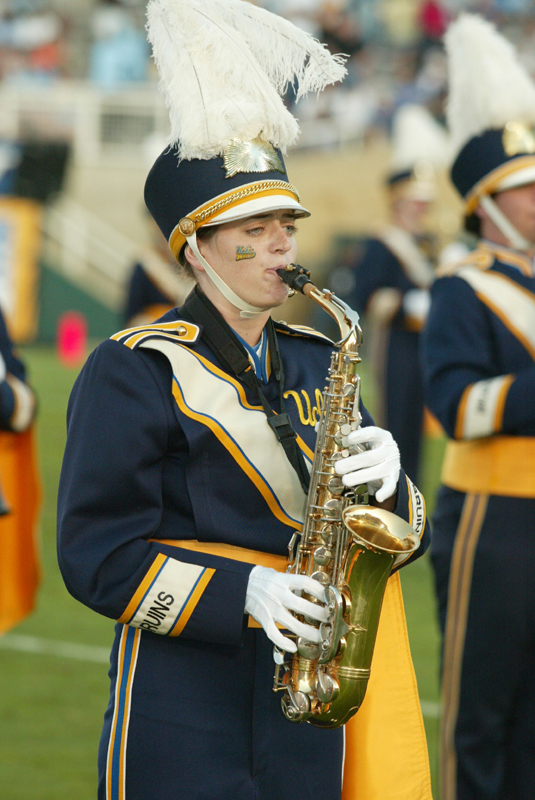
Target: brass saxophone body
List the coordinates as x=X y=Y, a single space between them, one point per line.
x=346 y=545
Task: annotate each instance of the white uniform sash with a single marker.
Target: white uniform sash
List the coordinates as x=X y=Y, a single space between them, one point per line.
x=417 y=267
x=210 y=396
x=513 y=304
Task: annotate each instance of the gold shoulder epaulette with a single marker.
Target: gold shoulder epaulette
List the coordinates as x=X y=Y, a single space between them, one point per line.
x=480 y=258
x=179 y=331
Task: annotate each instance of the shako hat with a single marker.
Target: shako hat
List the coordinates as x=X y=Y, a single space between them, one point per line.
x=490 y=112
x=182 y=197
x=224 y=66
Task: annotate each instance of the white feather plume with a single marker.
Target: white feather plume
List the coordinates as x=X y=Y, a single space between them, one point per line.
x=223 y=66
x=416 y=137
x=488 y=86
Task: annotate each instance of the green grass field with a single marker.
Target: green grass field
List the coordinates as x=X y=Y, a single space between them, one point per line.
x=53 y=692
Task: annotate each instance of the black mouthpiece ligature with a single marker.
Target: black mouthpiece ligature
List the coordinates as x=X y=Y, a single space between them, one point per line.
x=295 y=276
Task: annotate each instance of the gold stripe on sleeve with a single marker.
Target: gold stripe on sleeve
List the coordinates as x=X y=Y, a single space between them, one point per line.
x=130 y=610
x=196 y=595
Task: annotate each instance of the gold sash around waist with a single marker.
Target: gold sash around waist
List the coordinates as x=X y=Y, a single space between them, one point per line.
x=502 y=465
x=233 y=552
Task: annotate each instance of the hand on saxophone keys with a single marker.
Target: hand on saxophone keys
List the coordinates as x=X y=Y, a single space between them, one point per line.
x=378 y=466
x=271 y=598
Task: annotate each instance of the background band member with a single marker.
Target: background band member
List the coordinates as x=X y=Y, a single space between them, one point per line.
x=392 y=276
x=154 y=286
x=480 y=383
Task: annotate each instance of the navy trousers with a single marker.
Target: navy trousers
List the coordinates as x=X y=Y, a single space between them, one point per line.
x=483 y=554
x=195 y=721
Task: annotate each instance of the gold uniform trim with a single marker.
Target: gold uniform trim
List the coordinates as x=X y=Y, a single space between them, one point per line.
x=186 y=331
x=501 y=465
x=490 y=183
x=236 y=197
x=233 y=552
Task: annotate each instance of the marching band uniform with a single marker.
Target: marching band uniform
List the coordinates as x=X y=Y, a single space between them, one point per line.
x=154 y=288
x=181 y=506
x=199 y=495
x=146 y=301
x=392 y=271
x=17 y=400
x=480 y=378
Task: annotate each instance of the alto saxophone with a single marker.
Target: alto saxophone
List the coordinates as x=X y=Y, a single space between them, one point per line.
x=346 y=544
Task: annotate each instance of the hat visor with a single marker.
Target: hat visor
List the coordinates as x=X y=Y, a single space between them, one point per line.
x=257 y=206
x=520 y=177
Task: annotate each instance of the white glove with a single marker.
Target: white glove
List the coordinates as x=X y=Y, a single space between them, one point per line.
x=378 y=467
x=269 y=596
x=416 y=304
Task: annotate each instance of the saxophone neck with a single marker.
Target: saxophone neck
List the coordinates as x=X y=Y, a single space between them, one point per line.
x=346 y=318
x=298 y=279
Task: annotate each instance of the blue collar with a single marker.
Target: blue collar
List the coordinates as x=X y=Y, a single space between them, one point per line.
x=258 y=356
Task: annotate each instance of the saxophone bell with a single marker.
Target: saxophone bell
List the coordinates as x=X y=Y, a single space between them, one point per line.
x=380 y=530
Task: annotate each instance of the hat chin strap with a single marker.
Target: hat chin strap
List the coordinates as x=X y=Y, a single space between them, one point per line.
x=516 y=240
x=245 y=309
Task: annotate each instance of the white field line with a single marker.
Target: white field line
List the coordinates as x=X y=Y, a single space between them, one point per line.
x=50 y=647
x=101 y=655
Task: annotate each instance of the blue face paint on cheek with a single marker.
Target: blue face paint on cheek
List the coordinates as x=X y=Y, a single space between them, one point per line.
x=244 y=252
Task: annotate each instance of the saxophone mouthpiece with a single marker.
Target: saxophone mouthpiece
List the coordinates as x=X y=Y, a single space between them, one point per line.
x=295 y=277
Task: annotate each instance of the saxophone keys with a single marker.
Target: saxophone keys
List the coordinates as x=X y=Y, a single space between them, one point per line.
x=321 y=577
x=335 y=486
x=341 y=454
x=308 y=650
x=327 y=687
x=322 y=555
x=295 y=706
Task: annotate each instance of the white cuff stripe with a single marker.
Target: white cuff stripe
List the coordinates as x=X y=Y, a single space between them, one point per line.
x=417 y=504
x=166 y=597
x=481 y=407
x=417 y=516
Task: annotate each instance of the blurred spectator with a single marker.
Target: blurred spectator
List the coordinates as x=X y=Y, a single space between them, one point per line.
x=32 y=42
x=120 y=52
x=433 y=19
x=339 y=30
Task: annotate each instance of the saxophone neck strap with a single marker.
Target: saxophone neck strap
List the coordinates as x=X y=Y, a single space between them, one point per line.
x=224 y=344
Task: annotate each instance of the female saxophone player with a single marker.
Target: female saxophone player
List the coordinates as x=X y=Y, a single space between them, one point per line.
x=177 y=500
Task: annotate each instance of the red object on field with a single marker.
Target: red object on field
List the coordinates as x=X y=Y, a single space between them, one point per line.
x=72 y=338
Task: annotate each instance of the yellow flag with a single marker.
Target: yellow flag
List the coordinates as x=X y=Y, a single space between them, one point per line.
x=19 y=547
x=386 y=749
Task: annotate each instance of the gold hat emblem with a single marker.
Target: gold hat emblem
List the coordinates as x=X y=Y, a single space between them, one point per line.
x=518 y=139
x=253 y=156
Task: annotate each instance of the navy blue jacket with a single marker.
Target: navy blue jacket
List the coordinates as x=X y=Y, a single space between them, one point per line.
x=145 y=462
x=478 y=361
